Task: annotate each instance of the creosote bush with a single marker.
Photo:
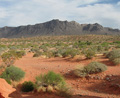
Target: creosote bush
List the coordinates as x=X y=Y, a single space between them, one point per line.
x=91 y=68
x=27 y=86
x=12 y=73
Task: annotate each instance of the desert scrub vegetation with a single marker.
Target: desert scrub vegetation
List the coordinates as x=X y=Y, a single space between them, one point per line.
x=91 y=68
x=27 y=86
x=12 y=73
x=114 y=56
x=52 y=82
x=89 y=53
x=9 y=57
x=37 y=53
x=70 y=52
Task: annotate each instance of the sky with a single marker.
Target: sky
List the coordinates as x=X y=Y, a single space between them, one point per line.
x=26 y=12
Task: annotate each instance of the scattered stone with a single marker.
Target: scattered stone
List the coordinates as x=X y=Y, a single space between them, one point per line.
x=107 y=78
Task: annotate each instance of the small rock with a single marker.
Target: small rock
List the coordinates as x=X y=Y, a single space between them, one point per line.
x=108 y=79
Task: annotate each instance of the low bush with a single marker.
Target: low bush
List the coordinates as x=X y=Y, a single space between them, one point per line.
x=20 y=53
x=27 y=86
x=80 y=71
x=116 y=61
x=114 y=56
x=37 y=54
x=50 y=78
x=12 y=73
x=52 y=82
x=89 y=53
x=64 y=91
x=10 y=56
x=70 y=52
x=93 y=67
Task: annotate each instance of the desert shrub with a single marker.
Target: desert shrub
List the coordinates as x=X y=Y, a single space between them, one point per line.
x=52 y=82
x=93 y=67
x=50 y=78
x=64 y=91
x=57 y=53
x=117 y=46
x=114 y=56
x=80 y=71
x=49 y=54
x=116 y=61
x=37 y=54
x=89 y=53
x=12 y=73
x=27 y=86
x=70 y=52
x=10 y=56
x=106 y=48
x=99 y=48
x=20 y=53
x=106 y=54
x=104 y=44
x=117 y=42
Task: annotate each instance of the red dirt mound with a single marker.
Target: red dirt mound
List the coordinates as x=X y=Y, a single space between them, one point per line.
x=6 y=90
x=1 y=96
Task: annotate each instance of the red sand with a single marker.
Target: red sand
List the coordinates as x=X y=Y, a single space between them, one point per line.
x=88 y=88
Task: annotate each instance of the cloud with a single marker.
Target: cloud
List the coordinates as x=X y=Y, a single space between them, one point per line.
x=118 y=3
x=25 y=12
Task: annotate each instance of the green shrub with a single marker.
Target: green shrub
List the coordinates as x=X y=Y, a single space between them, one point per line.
x=20 y=53
x=93 y=67
x=50 y=78
x=27 y=86
x=12 y=73
x=50 y=82
x=70 y=52
x=90 y=53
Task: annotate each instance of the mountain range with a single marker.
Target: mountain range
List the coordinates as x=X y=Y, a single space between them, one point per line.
x=56 y=27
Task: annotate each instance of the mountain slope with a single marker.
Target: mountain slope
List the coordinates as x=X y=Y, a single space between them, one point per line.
x=55 y=27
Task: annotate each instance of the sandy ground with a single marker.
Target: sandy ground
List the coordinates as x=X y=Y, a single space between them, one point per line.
x=97 y=86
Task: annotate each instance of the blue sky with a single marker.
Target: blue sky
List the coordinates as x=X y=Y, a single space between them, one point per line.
x=24 y=12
